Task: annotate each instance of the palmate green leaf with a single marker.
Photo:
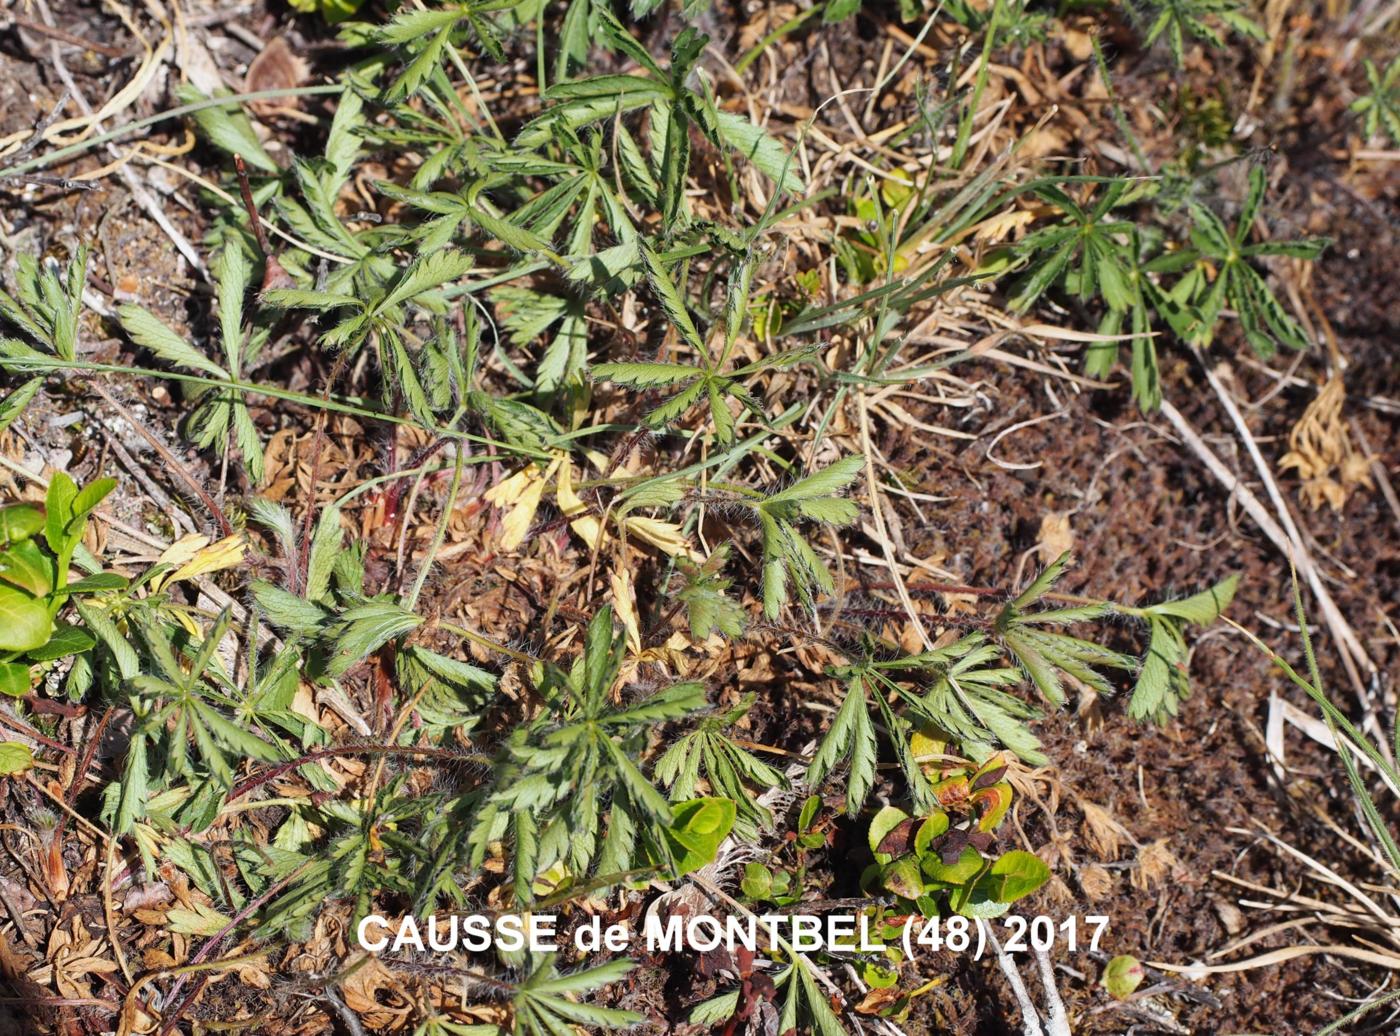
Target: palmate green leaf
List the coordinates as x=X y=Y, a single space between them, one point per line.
x=615 y=37
x=811 y=496
x=148 y=330
x=1193 y=307
x=1303 y=248
x=17 y=400
x=528 y=314
x=671 y=300
x=305 y=298
x=412 y=25
x=1043 y=273
x=639 y=790
x=232 y=274
x=767 y=155
x=729 y=770
x=1163 y=679
x=1044 y=655
x=709 y=610
x=546 y=1005
x=1380 y=109
x=229 y=129
x=134 y=785
x=325 y=548
x=787 y=557
x=675 y=702
x=636 y=170
x=526 y=853
x=806 y=1001
x=673 y=128
x=1040 y=670
x=99 y=622
x=426 y=274
x=364 y=629
x=1042 y=583
x=508 y=233
x=249 y=442
x=1179 y=18
x=452 y=692
x=646 y=375
x=426 y=61
x=318 y=221
x=574 y=40
x=575 y=113
x=1202 y=608
x=981 y=718
x=1262 y=316
x=715 y=1011
x=852 y=736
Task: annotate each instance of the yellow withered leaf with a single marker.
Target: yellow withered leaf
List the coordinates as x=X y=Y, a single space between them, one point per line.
x=183 y=549
x=522 y=493
x=1003 y=225
x=194 y=556
x=586 y=526
x=625 y=604
x=665 y=536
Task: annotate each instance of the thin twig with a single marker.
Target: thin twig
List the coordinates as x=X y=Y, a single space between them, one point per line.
x=64 y=36
x=225 y=527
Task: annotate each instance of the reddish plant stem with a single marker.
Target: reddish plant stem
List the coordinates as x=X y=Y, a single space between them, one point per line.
x=54 y=708
x=393 y=496
x=273 y=772
x=94 y=739
x=246 y=190
x=214 y=941
x=28 y=731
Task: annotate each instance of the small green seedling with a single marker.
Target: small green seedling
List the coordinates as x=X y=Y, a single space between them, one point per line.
x=37 y=548
x=947 y=861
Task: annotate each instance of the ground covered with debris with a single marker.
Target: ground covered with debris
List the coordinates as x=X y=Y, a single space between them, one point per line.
x=693 y=460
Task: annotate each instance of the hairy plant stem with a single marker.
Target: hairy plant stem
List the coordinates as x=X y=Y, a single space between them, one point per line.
x=427 y=752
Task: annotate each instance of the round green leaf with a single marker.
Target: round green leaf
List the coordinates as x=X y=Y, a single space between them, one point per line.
x=757 y=882
x=24 y=565
x=903 y=878
x=964 y=869
x=1122 y=975
x=697 y=828
x=15 y=759
x=929 y=830
x=20 y=521
x=1016 y=875
x=876 y=976
x=24 y=621
x=14 y=679
x=882 y=823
